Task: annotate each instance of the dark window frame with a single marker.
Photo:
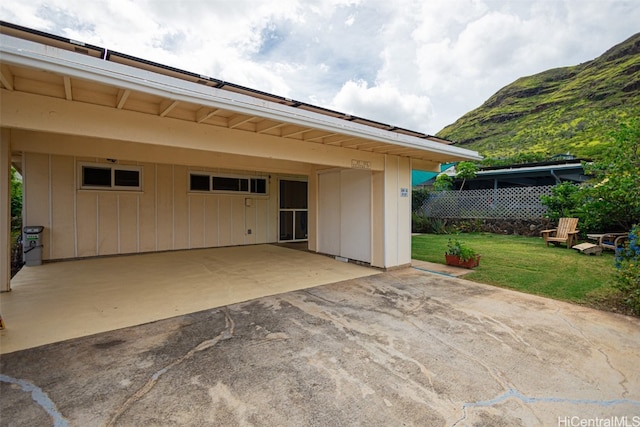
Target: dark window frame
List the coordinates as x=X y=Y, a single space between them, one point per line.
x=199 y=176
x=121 y=177
x=244 y=184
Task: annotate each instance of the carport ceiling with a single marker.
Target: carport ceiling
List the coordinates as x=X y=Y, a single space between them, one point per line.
x=64 y=81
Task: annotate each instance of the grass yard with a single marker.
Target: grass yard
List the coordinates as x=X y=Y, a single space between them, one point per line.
x=526 y=264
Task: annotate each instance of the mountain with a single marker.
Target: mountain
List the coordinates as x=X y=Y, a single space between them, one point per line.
x=563 y=110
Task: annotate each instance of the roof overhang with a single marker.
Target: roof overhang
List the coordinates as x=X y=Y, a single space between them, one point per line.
x=532 y=170
x=93 y=75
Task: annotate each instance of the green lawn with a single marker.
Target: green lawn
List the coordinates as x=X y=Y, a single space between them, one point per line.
x=526 y=264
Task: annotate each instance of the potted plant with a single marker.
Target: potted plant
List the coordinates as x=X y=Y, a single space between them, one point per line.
x=460 y=255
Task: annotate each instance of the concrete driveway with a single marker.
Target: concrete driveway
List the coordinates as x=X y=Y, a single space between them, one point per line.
x=398 y=348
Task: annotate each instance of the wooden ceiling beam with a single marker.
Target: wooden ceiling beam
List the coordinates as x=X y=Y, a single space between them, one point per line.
x=6 y=77
x=267 y=125
x=121 y=99
x=166 y=106
x=67 y=88
x=205 y=113
x=295 y=133
x=322 y=135
x=238 y=120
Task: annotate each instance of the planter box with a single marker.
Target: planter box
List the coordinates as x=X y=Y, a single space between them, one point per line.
x=454 y=260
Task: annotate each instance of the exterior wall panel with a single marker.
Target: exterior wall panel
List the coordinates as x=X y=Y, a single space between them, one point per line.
x=377 y=220
x=128 y=223
x=36 y=197
x=272 y=233
x=87 y=223
x=107 y=223
x=180 y=208
x=345 y=214
x=329 y=213
x=196 y=221
x=391 y=189
x=355 y=209
x=164 y=215
x=237 y=220
x=164 y=206
x=224 y=221
x=250 y=216
x=62 y=233
x=397 y=209
x=261 y=231
x=211 y=234
x=147 y=228
x=404 y=211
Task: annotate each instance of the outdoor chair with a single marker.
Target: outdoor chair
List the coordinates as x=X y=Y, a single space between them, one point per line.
x=565 y=233
x=612 y=240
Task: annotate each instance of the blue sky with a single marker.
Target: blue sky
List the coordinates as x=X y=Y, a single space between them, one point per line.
x=418 y=64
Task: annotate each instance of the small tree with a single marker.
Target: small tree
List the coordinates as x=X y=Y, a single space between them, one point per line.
x=613 y=201
x=564 y=201
x=466 y=170
x=443 y=182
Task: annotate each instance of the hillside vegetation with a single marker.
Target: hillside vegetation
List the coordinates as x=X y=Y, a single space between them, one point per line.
x=563 y=110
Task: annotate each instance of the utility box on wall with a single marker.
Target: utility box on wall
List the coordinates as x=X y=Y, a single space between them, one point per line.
x=32 y=245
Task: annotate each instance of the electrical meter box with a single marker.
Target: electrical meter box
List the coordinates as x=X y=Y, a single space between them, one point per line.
x=32 y=245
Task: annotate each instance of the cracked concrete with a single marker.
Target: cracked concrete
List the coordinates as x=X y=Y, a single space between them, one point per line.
x=399 y=348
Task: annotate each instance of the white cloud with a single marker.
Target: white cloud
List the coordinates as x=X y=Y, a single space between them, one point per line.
x=411 y=63
x=384 y=104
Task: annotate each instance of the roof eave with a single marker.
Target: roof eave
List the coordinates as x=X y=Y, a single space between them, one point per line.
x=35 y=55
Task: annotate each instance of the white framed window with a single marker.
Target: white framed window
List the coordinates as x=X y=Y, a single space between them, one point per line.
x=222 y=183
x=105 y=176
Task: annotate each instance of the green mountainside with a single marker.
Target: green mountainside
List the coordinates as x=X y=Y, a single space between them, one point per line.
x=563 y=110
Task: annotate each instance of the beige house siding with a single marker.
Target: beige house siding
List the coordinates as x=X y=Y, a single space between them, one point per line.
x=163 y=216
x=398 y=210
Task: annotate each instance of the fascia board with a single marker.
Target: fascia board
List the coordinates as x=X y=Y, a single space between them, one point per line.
x=35 y=55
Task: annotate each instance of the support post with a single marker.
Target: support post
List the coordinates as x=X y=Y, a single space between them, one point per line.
x=5 y=211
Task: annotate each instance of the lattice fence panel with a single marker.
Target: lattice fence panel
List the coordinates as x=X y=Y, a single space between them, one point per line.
x=513 y=203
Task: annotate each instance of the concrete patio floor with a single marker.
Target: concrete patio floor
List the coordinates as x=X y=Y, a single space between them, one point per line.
x=62 y=300
x=401 y=348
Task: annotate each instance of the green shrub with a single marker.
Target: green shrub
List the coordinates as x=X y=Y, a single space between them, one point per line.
x=424 y=224
x=628 y=270
x=611 y=200
x=457 y=248
x=418 y=197
x=564 y=201
x=16 y=200
x=419 y=223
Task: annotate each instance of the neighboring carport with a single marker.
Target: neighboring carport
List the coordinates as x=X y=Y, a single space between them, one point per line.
x=62 y=300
